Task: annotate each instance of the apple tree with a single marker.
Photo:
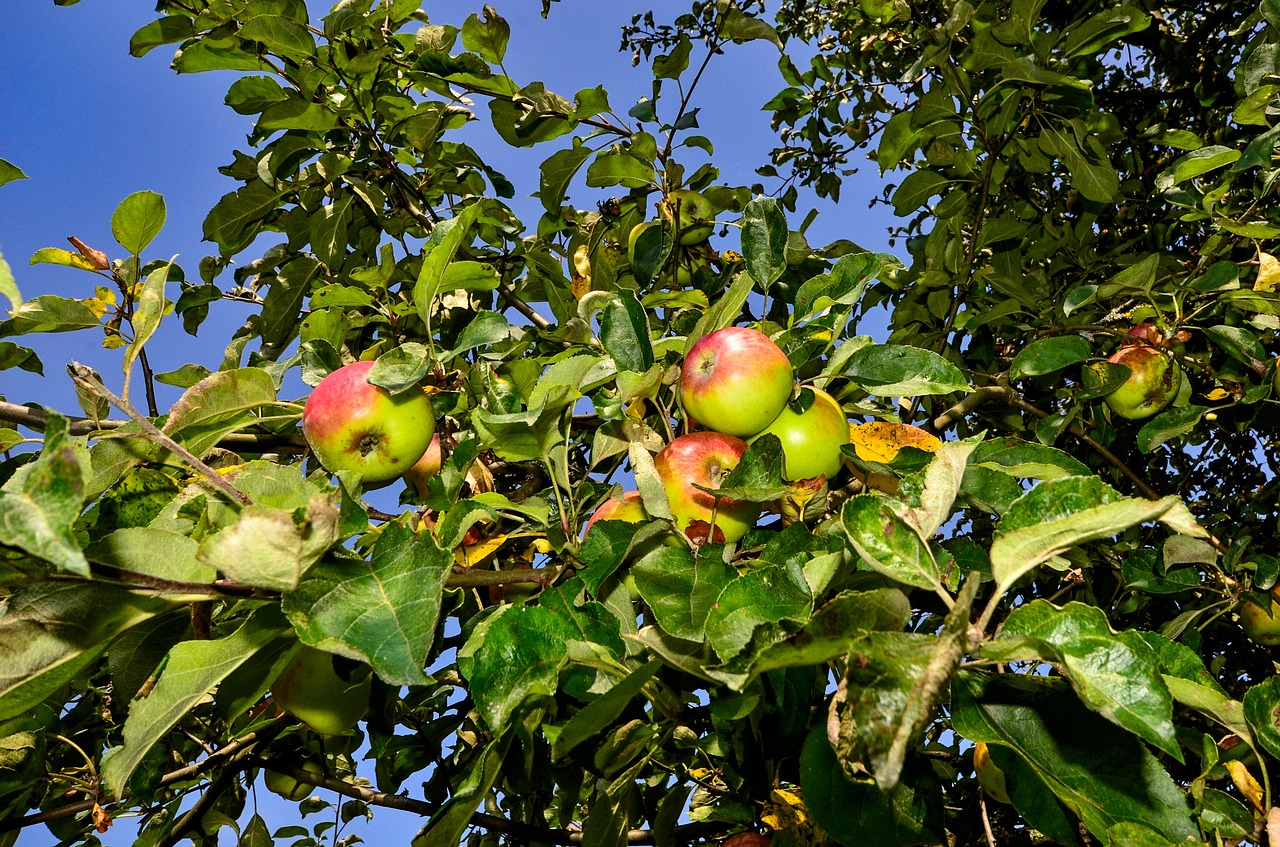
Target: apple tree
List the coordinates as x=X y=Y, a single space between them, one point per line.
x=1010 y=613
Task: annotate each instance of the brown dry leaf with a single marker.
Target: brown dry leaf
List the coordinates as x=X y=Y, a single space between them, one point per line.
x=96 y=257
x=101 y=818
x=880 y=442
x=1268 y=273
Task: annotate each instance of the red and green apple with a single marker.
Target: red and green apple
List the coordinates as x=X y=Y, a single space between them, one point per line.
x=353 y=425
x=735 y=380
x=704 y=458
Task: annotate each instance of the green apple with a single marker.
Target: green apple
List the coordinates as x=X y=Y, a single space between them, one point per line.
x=694 y=215
x=352 y=425
x=811 y=441
x=636 y=231
x=311 y=689
x=1262 y=624
x=1154 y=380
x=735 y=380
x=286 y=786
x=990 y=777
x=428 y=466
x=704 y=458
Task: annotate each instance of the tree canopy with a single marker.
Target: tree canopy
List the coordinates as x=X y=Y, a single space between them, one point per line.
x=1032 y=602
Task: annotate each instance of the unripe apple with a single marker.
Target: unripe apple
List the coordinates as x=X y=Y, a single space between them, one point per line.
x=1154 y=378
x=1262 y=624
x=694 y=215
x=811 y=441
x=352 y=425
x=310 y=689
x=735 y=380
x=704 y=458
x=286 y=786
x=990 y=777
x=634 y=236
x=425 y=468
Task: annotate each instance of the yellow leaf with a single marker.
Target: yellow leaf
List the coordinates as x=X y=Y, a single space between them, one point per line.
x=1268 y=273
x=1246 y=784
x=785 y=810
x=1218 y=394
x=880 y=442
x=474 y=554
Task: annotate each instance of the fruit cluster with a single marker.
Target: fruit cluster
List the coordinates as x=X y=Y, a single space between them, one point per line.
x=737 y=384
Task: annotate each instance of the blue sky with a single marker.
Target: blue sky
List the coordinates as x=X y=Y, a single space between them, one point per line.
x=90 y=124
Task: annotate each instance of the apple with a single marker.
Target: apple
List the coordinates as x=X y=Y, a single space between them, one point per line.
x=1262 y=624
x=748 y=839
x=628 y=508
x=425 y=468
x=691 y=260
x=352 y=425
x=735 y=380
x=704 y=458
x=694 y=215
x=1154 y=380
x=811 y=441
x=990 y=777
x=636 y=231
x=286 y=786
x=310 y=689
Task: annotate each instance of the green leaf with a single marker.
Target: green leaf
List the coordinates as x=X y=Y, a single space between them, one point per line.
x=49 y=313
x=448 y=827
x=557 y=171
x=329 y=226
x=282 y=36
x=147 y=312
x=1026 y=460
x=486 y=36
x=759 y=598
x=1240 y=344
x=764 y=240
x=1113 y=673
x=251 y=95
x=402 y=368
x=681 y=589
x=612 y=168
x=218 y=405
x=10 y=172
x=1262 y=711
x=273 y=548
x=757 y=478
x=1093 y=34
x=67 y=258
x=193 y=670
x=438 y=253
x=597 y=715
x=8 y=285
x=51 y=631
x=486 y=328
x=138 y=220
x=153 y=552
x=1196 y=163
x=1169 y=425
x=909 y=815
x=382 y=611
x=170 y=30
x=742 y=27
x=671 y=65
x=843 y=285
x=918 y=187
x=1101 y=772
x=624 y=332
x=513 y=655
x=1049 y=355
x=887 y=543
x=1060 y=514
x=890 y=370
x=235 y=219
x=724 y=312
x=39 y=508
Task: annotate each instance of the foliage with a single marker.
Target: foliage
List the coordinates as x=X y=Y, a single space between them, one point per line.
x=1040 y=577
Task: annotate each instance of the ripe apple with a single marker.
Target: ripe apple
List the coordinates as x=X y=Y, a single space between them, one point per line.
x=694 y=215
x=704 y=458
x=289 y=788
x=811 y=441
x=990 y=777
x=628 y=508
x=311 y=689
x=735 y=380
x=1262 y=624
x=425 y=468
x=352 y=425
x=748 y=839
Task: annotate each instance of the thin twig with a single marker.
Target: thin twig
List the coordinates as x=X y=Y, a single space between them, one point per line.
x=85 y=378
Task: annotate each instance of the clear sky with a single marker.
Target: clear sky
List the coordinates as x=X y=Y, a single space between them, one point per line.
x=89 y=124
